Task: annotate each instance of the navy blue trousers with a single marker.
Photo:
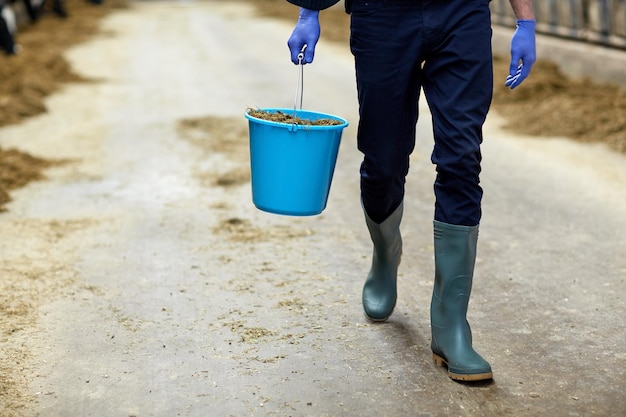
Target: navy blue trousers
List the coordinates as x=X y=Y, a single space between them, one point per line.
x=442 y=47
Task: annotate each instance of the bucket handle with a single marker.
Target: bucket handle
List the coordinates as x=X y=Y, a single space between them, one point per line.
x=299 y=86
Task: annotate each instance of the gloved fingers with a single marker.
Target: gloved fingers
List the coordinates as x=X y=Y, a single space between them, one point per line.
x=298 y=43
x=309 y=54
x=515 y=77
x=515 y=65
x=295 y=44
x=527 y=65
x=522 y=72
x=296 y=47
x=511 y=81
x=294 y=54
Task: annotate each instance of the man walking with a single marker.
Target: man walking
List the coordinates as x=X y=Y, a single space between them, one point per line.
x=442 y=47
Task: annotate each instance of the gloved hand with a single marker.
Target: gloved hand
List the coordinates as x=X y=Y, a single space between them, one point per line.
x=306 y=32
x=522 y=49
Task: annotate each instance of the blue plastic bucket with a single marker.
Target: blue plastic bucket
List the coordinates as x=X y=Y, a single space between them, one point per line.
x=292 y=165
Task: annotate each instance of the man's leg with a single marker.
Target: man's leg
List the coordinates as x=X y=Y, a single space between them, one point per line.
x=458 y=82
x=384 y=43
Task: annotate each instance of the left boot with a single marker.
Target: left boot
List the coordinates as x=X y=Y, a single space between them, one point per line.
x=455 y=256
x=380 y=288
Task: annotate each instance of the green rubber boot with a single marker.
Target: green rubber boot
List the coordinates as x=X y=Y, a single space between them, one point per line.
x=455 y=255
x=380 y=289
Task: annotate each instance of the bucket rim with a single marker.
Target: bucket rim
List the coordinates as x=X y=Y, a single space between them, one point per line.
x=320 y=115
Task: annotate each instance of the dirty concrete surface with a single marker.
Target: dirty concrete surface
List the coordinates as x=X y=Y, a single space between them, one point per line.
x=172 y=295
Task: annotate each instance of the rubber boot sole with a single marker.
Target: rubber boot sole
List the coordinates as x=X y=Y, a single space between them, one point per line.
x=439 y=361
x=373 y=320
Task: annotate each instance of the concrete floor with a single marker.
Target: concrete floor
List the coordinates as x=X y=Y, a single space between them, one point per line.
x=185 y=300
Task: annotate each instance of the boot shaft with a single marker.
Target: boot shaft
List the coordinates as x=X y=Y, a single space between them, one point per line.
x=386 y=236
x=455 y=257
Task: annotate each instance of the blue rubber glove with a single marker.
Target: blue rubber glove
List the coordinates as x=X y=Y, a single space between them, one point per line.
x=522 y=49
x=306 y=32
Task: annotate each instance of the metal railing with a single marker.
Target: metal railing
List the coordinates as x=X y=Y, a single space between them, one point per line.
x=596 y=21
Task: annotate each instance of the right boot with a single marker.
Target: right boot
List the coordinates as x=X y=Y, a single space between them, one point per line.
x=380 y=289
x=455 y=257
